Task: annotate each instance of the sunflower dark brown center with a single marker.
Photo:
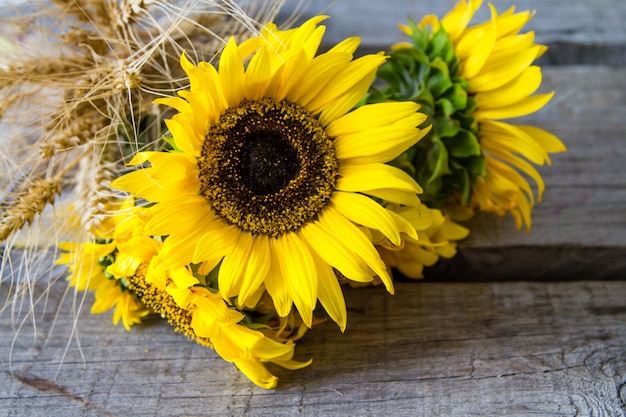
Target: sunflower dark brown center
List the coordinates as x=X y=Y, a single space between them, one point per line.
x=268 y=162
x=267 y=166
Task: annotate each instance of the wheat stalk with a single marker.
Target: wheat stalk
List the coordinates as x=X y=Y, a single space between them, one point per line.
x=39 y=192
x=94 y=175
x=99 y=70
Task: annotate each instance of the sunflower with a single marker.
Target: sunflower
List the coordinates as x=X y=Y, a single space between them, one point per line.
x=93 y=265
x=203 y=315
x=436 y=238
x=125 y=271
x=273 y=179
x=469 y=78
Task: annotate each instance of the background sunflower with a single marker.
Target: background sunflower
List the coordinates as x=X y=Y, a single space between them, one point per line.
x=468 y=78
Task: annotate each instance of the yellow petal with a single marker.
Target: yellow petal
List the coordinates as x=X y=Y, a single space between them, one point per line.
x=348 y=45
x=301 y=275
x=257 y=268
x=519 y=88
x=173 y=216
x=363 y=177
x=174 y=102
x=231 y=73
x=162 y=182
x=366 y=212
x=276 y=282
x=317 y=74
x=510 y=138
x=195 y=74
x=331 y=249
x=499 y=72
x=405 y=198
x=371 y=116
x=403 y=225
x=288 y=75
x=459 y=17
x=474 y=48
x=546 y=140
x=257 y=373
x=310 y=43
x=330 y=294
x=334 y=223
x=211 y=91
x=520 y=164
x=258 y=75
x=185 y=140
x=341 y=105
x=523 y=107
x=231 y=272
x=298 y=36
x=179 y=248
x=380 y=144
x=183 y=278
x=212 y=246
x=355 y=73
x=511 y=24
x=509 y=174
x=511 y=45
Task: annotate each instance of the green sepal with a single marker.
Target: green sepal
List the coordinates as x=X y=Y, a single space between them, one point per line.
x=463 y=144
x=255 y=321
x=170 y=144
x=446 y=126
x=460 y=180
x=449 y=158
x=431 y=163
x=476 y=166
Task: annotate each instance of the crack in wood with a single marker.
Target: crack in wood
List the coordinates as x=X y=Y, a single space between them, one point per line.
x=47 y=385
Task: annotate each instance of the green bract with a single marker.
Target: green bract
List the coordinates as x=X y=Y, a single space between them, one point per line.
x=449 y=159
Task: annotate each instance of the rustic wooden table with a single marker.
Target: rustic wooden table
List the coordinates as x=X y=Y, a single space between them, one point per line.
x=516 y=325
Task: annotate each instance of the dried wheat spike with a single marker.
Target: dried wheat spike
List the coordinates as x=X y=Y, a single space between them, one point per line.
x=77 y=132
x=6 y=102
x=84 y=10
x=126 y=11
x=26 y=205
x=93 y=192
x=49 y=69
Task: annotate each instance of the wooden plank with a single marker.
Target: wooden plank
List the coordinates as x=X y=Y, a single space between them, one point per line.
x=479 y=349
x=577 y=31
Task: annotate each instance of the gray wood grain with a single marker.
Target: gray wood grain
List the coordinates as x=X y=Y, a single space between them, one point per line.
x=482 y=349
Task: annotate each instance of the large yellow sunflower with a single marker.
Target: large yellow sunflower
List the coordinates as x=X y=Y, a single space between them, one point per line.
x=273 y=178
x=470 y=78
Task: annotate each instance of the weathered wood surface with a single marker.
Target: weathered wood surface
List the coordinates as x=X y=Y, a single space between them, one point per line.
x=434 y=349
x=518 y=348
